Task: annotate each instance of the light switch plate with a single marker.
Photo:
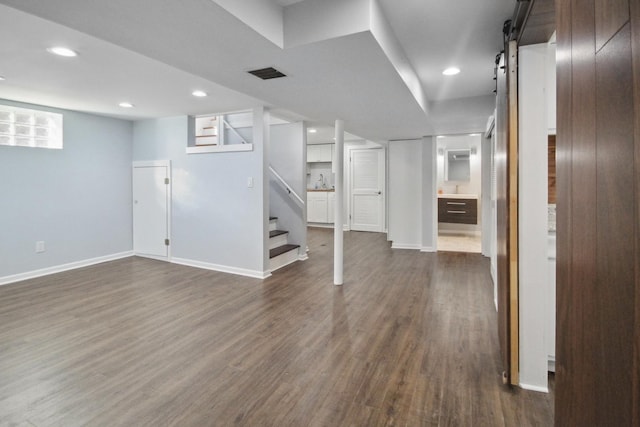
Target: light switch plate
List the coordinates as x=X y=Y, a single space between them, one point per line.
x=40 y=247
x=250 y=182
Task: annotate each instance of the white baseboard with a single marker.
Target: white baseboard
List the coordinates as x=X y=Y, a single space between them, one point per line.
x=395 y=245
x=428 y=249
x=319 y=225
x=222 y=268
x=303 y=256
x=534 y=388
x=64 y=267
x=157 y=258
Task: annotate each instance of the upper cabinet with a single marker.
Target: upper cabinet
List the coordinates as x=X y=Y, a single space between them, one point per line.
x=319 y=153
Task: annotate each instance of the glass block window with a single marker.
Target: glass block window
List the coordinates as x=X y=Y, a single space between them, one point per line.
x=30 y=128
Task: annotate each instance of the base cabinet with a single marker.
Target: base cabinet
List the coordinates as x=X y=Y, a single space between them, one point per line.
x=320 y=206
x=331 y=212
x=458 y=211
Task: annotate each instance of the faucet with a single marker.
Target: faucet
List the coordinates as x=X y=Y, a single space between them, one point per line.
x=456 y=189
x=321 y=180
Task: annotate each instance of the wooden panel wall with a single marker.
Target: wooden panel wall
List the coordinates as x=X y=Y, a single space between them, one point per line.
x=502 y=206
x=598 y=213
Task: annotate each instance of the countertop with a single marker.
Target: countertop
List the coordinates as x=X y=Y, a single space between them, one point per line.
x=320 y=190
x=457 y=196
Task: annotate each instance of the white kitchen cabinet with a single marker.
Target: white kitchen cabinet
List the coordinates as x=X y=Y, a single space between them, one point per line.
x=319 y=153
x=317 y=206
x=331 y=202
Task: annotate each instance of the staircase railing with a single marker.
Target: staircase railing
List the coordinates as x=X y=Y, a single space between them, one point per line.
x=296 y=198
x=231 y=128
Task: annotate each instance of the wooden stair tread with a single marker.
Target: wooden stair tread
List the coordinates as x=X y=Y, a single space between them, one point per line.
x=273 y=218
x=274 y=233
x=281 y=250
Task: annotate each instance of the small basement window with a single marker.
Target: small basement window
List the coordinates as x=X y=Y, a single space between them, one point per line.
x=24 y=127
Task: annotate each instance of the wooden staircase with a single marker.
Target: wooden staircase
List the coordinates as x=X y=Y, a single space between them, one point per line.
x=281 y=252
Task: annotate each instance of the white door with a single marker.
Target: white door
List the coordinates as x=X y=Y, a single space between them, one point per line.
x=151 y=195
x=367 y=190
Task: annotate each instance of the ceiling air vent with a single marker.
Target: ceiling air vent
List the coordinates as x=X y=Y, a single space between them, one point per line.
x=267 y=73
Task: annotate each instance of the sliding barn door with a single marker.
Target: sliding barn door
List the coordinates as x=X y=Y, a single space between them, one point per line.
x=598 y=213
x=506 y=163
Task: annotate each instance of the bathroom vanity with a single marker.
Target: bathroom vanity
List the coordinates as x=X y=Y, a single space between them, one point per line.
x=458 y=208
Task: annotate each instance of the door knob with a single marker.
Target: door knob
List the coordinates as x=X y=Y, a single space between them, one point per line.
x=379 y=192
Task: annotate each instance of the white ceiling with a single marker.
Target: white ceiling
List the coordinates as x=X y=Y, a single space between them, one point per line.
x=154 y=54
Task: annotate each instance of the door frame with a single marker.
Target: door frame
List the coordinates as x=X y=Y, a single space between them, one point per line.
x=349 y=184
x=147 y=164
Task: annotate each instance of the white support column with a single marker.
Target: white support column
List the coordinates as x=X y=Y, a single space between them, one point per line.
x=338 y=236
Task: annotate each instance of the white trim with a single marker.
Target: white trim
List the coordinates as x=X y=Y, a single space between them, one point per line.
x=319 y=225
x=534 y=388
x=221 y=268
x=63 y=267
x=303 y=256
x=428 y=249
x=157 y=258
x=219 y=148
x=405 y=246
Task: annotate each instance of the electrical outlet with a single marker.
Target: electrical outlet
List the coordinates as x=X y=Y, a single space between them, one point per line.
x=40 y=247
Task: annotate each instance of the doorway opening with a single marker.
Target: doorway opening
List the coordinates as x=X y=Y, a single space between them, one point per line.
x=459 y=183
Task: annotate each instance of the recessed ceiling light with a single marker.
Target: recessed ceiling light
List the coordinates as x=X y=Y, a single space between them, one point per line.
x=2 y=78
x=62 y=51
x=199 y=93
x=126 y=105
x=451 y=71
x=474 y=134
x=313 y=130
x=440 y=136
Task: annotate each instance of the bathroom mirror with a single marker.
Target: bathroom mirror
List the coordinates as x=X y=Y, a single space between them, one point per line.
x=456 y=165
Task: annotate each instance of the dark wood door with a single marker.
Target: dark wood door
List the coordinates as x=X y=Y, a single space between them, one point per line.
x=506 y=204
x=598 y=213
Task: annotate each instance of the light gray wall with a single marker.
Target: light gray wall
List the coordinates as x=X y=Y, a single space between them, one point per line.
x=413 y=213
x=287 y=156
x=429 y=195
x=405 y=194
x=216 y=218
x=77 y=200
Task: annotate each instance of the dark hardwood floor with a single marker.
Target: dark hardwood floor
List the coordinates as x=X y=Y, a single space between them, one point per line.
x=410 y=339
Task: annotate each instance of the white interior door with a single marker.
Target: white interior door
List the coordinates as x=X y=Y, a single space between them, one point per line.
x=367 y=189
x=151 y=195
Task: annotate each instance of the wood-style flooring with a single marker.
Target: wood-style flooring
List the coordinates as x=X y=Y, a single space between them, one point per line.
x=410 y=339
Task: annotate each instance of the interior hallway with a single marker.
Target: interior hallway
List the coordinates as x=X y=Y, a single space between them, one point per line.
x=410 y=339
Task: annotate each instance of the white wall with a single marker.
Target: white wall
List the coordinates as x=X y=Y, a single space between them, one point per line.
x=287 y=155
x=218 y=221
x=413 y=209
x=405 y=194
x=532 y=227
x=429 y=195
x=77 y=200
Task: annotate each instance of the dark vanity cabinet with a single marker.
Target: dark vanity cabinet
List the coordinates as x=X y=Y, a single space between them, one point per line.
x=458 y=211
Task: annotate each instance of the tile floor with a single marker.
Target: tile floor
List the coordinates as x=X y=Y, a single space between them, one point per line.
x=459 y=243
